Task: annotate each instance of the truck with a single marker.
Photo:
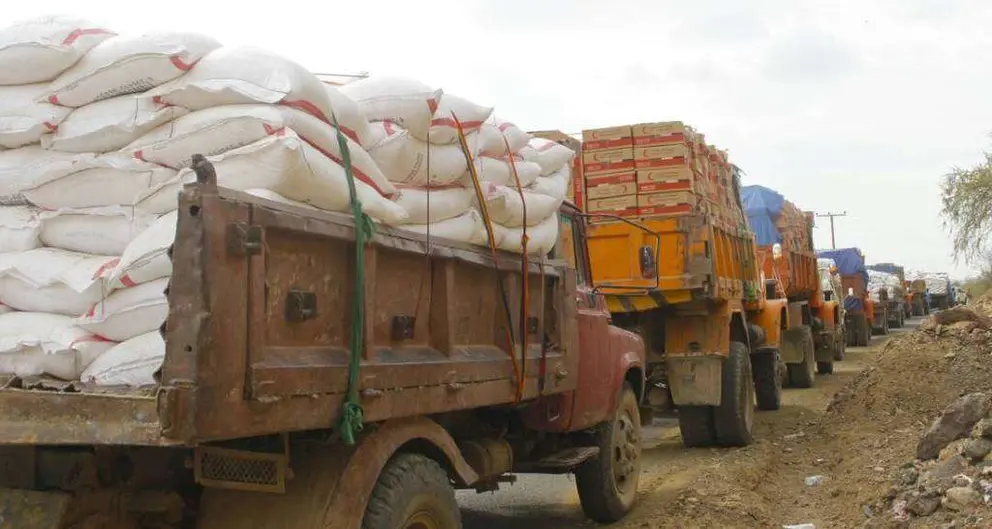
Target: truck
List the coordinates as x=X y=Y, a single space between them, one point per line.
x=939 y=288
x=859 y=308
x=916 y=291
x=784 y=235
x=293 y=393
x=691 y=286
x=898 y=288
x=886 y=289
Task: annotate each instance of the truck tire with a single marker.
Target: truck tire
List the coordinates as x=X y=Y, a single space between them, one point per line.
x=767 y=382
x=840 y=346
x=696 y=426
x=607 y=484
x=734 y=417
x=801 y=375
x=412 y=492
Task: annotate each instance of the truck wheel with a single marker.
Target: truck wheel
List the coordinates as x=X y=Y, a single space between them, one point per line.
x=734 y=417
x=413 y=492
x=696 y=426
x=767 y=382
x=607 y=484
x=824 y=368
x=840 y=346
x=801 y=375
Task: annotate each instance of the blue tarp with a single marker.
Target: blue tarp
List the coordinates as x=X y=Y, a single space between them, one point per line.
x=849 y=261
x=763 y=206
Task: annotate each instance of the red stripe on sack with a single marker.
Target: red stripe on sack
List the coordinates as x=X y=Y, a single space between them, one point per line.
x=50 y=127
x=140 y=155
x=127 y=281
x=272 y=131
x=90 y=313
x=307 y=107
x=178 y=62
x=546 y=146
x=72 y=37
x=158 y=100
x=93 y=338
x=432 y=105
x=388 y=127
x=361 y=176
x=106 y=266
x=349 y=133
x=503 y=126
x=54 y=99
x=448 y=122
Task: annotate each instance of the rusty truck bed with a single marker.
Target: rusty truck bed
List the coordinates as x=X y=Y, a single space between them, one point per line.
x=696 y=257
x=258 y=332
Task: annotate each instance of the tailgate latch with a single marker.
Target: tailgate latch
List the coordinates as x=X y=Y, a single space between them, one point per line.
x=243 y=239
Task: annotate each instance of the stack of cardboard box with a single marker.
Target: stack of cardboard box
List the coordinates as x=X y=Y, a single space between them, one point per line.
x=656 y=169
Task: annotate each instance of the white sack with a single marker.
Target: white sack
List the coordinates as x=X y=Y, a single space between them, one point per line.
x=444 y=129
x=24 y=118
x=351 y=119
x=100 y=231
x=506 y=207
x=108 y=180
x=128 y=65
x=19 y=228
x=292 y=168
x=220 y=129
x=499 y=171
x=146 y=258
x=540 y=239
x=245 y=75
x=468 y=227
x=31 y=166
x=128 y=312
x=131 y=363
x=550 y=155
x=406 y=160
x=496 y=136
x=110 y=124
x=52 y=280
x=554 y=185
x=39 y=49
x=276 y=197
x=33 y=344
x=406 y=102
x=426 y=205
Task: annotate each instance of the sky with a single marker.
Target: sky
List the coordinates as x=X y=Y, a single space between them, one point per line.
x=841 y=106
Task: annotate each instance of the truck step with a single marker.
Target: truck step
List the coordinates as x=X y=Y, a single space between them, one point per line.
x=560 y=463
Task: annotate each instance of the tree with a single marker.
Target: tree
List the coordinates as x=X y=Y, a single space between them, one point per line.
x=967 y=209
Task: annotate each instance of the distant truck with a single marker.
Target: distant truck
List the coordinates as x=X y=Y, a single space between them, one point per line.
x=887 y=292
x=939 y=287
x=784 y=235
x=900 y=298
x=916 y=290
x=859 y=308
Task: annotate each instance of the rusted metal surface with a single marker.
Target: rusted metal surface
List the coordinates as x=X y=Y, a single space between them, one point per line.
x=46 y=417
x=22 y=509
x=258 y=331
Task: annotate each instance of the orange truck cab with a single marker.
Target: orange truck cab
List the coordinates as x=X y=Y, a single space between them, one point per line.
x=859 y=308
x=784 y=234
x=692 y=287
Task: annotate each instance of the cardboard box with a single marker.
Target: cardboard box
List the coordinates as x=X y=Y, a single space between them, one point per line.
x=607 y=138
x=614 y=205
x=659 y=152
x=613 y=185
x=660 y=133
x=677 y=178
x=668 y=203
x=607 y=161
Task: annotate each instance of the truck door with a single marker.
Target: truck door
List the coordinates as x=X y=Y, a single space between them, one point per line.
x=593 y=399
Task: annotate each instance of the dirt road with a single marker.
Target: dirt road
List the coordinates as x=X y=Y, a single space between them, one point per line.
x=762 y=485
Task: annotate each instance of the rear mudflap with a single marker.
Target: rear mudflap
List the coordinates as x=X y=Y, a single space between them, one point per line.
x=696 y=380
x=28 y=509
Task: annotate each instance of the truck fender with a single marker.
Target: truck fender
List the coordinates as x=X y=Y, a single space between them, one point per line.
x=770 y=318
x=631 y=362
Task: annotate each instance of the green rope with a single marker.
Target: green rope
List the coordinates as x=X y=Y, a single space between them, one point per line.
x=350 y=423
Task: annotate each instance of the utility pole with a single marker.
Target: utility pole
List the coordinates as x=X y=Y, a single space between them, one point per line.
x=833 y=241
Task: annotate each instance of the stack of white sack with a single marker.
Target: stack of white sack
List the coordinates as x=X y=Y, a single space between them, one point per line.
x=877 y=283
x=414 y=138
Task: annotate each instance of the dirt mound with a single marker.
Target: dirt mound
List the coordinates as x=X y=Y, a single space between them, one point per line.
x=882 y=414
x=984 y=303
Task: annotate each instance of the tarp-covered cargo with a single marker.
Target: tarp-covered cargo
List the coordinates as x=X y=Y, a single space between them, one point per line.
x=763 y=207
x=850 y=261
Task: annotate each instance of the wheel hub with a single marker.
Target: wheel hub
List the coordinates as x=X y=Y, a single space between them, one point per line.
x=626 y=450
x=421 y=520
